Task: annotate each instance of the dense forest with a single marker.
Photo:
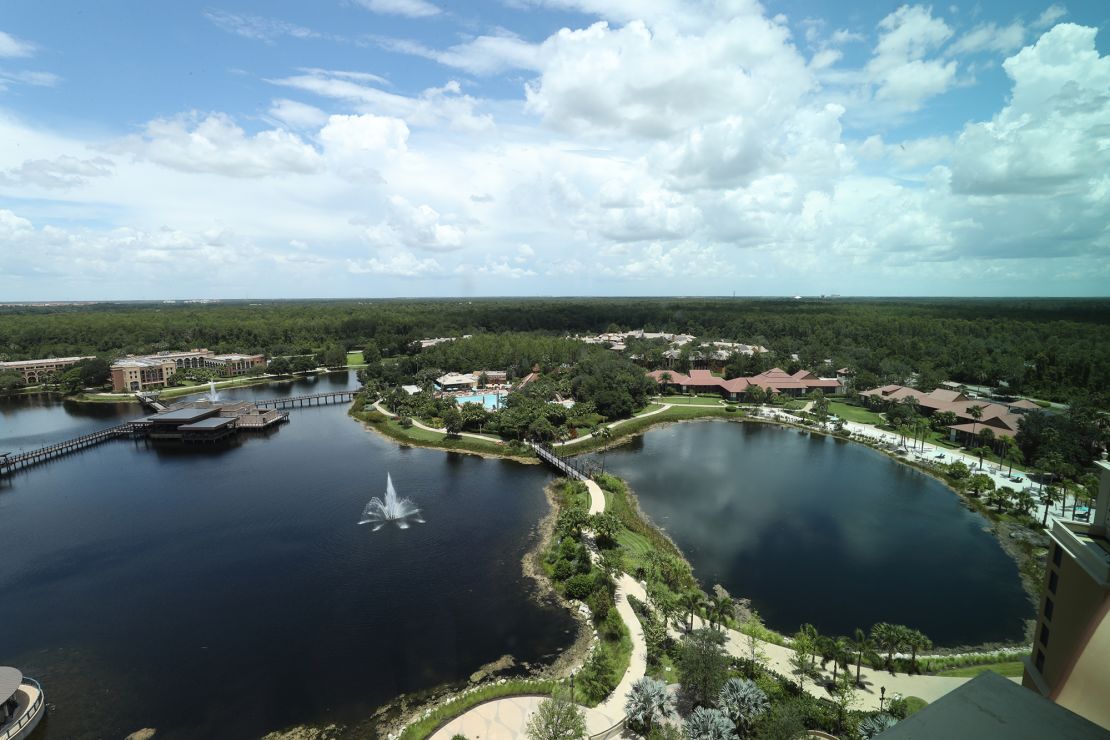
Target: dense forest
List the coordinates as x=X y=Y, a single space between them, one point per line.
x=1052 y=348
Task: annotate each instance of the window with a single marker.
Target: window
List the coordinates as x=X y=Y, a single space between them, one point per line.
x=1044 y=635
x=1048 y=605
x=1057 y=555
x=1040 y=662
x=1053 y=581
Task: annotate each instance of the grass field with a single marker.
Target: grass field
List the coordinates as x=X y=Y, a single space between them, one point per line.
x=638 y=424
x=854 y=413
x=354 y=359
x=1011 y=668
x=441 y=715
x=693 y=400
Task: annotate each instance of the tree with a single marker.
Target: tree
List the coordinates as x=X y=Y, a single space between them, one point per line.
x=916 y=640
x=833 y=649
x=887 y=638
x=371 y=354
x=979 y=483
x=605 y=526
x=1025 y=501
x=757 y=394
x=1012 y=453
x=844 y=697
x=483 y=380
x=862 y=645
x=708 y=724
x=648 y=703
x=303 y=363
x=1049 y=496
x=557 y=718
x=692 y=602
x=10 y=380
x=452 y=421
x=702 y=666
x=333 y=356
x=720 y=609
x=279 y=366
x=596 y=677
x=976 y=413
x=1000 y=497
x=876 y=724
x=743 y=702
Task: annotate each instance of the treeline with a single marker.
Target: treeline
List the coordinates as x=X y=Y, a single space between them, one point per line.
x=1058 y=349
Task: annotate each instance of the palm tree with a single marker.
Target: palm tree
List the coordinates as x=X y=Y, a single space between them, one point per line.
x=1013 y=453
x=916 y=640
x=709 y=724
x=648 y=702
x=692 y=602
x=1025 y=501
x=861 y=645
x=720 y=609
x=1049 y=496
x=976 y=413
x=887 y=637
x=743 y=702
x=980 y=451
x=834 y=649
x=986 y=439
x=810 y=632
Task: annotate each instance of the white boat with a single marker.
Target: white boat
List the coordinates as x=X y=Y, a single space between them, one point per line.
x=22 y=704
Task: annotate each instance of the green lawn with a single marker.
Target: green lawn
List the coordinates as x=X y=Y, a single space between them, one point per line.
x=853 y=413
x=915 y=704
x=693 y=400
x=354 y=359
x=1012 y=668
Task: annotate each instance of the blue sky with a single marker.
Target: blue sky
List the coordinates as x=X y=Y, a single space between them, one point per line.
x=524 y=147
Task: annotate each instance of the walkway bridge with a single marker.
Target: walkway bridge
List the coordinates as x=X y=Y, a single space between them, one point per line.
x=12 y=462
x=565 y=465
x=316 y=399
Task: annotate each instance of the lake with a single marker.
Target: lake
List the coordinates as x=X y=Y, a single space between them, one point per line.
x=820 y=530
x=227 y=593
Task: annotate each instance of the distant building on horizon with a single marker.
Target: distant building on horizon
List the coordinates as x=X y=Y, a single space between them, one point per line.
x=38 y=371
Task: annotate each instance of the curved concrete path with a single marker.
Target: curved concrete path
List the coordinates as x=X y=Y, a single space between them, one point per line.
x=507 y=719
x=420 y=425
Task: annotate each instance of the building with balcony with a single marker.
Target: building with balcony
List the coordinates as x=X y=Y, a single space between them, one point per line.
x=38 y=371
x=1071 y=645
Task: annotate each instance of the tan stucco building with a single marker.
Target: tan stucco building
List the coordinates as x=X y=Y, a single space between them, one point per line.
x=37 y=371
x=1070 y=662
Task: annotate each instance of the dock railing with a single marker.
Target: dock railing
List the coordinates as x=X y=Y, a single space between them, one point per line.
x=30 y=714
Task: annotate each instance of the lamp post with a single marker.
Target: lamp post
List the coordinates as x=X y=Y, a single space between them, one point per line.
x=882 y=695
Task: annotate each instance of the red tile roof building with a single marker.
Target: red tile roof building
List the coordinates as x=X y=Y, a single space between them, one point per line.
x=1000 y=419
x=772 y=381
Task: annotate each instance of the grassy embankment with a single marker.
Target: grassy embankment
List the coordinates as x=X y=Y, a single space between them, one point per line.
x=444 y=713
x=692 y=400
x=417 y=437
x=638 y=424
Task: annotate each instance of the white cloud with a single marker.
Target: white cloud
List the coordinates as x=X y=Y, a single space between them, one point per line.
x=990 y=37
x=410 y=8
x=257 y=27
x=1052 y=136
x=416 y=227
x=396 y=264
x=483 y=55
x=1049 y=17
x=434 y=106
x=10 y=46
x=61 y=172
x=297 y=115
x=216 y=144
x=27 y=77
x=903 y=76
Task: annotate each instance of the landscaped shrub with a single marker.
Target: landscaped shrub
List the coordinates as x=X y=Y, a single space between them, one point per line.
x=579 y=586
x=596 y=677
x=612 y=626
x=600 y=602
x=564 y=569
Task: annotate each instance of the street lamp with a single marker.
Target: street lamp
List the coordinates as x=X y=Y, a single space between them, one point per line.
x=882 y=695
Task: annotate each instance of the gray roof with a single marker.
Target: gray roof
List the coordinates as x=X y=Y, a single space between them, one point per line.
x=10 y=678
x=184 y=415
x=215 y=422
x=990 y=706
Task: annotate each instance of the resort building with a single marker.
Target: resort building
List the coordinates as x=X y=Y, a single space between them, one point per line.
x=456 y=382
x=138 y=372
x=1071 y=645
x=772 y=381
x=38 y=371
x=1000 y=419
x=493 y=377
x=425 y=343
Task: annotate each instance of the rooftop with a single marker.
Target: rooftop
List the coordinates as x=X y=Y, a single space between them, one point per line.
x=186 y=415
x=213 y=422
x=990 y=706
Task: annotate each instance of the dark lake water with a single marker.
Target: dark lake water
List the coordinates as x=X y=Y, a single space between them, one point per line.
x=228 y=593
x=814 y=529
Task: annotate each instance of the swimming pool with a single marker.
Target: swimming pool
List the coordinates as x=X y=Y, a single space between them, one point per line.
x=491 y=401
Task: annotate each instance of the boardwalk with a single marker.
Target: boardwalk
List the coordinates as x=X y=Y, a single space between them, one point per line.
x=316 y=399
x=11 y=463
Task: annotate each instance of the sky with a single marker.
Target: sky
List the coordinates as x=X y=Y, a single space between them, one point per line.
x=379 y=148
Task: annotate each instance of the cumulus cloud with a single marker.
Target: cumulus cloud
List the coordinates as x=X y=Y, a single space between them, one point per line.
x=416 y=227
x=295 y=114
x=899 y=69
x=216 y=144
x=990 y=37
x=396 y=264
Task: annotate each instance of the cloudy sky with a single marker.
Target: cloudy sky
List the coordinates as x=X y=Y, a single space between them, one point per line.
x=290 y=148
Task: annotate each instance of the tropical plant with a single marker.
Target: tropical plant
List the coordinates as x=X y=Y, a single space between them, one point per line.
x=720 y=610
x=876 y=724
x=888 y=638
x=692 y=602
x=979 y=483
x=863 y=646
x=1025 y=501
x=916 y=640
x=557 y=719
x=1000 y=497
x=708 y=724
x=976 y=413
x=648 y=703
x=743 y=702
x=1049 y=496
x=702 y=666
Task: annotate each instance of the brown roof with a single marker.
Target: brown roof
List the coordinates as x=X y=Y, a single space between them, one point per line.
x=944 y=394
x=976 y=428
x=1024 y=403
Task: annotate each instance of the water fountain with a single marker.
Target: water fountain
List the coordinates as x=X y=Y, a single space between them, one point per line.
x=213 y=395
x=399 y=511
